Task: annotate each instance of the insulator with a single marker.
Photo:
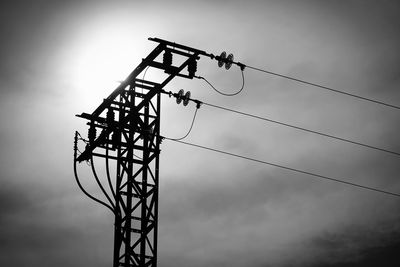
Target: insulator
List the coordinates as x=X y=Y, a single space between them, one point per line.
x=221 y=61
x=186 y=98
x=76 y=143
x=110 y=115
x=229 y=61
x=192 y=67
x=76 y=139
x=180 y=96
x=92 y=133
x=167 y=58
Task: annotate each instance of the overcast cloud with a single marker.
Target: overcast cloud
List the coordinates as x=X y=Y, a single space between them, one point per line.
x=215 y=210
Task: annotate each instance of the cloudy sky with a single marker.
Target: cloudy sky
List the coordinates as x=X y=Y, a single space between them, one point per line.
x=61 y=58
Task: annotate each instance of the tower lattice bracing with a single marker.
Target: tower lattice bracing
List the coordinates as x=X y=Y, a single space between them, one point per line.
x=124 y=131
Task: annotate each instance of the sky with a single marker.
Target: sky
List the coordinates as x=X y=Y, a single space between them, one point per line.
x=61 y=58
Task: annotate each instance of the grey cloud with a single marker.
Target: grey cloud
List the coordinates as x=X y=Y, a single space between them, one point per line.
x=214 y=210
x=356 y=245
x=38 y=228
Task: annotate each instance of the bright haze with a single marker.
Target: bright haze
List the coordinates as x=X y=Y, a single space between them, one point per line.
x=61 y=58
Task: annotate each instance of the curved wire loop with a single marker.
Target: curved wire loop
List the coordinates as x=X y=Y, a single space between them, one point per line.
x=144 y=75
x=222 y=93
x=99 y=183
x=190 y=129
x=79 y=183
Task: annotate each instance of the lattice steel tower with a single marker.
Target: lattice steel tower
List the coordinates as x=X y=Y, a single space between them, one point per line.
x=124 y=130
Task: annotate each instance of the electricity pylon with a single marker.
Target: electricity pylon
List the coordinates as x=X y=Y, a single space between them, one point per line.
x=125 y=131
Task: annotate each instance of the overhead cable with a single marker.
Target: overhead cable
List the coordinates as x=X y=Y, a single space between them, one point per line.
x=303 y=129
x=230 y=61
x=325 y=87
x=99 y=183
x=342 y=181
x=190 y=129
x=222 y=93
x=78 y=181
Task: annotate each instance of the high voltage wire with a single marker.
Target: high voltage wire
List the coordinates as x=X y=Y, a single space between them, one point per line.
x=288 y=168
x=222 y=93
x=303 y=129
x=288 y=125
x=325 y=87
x=190 y=129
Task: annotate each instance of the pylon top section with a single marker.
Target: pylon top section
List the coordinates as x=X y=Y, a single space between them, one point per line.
x=186 y=69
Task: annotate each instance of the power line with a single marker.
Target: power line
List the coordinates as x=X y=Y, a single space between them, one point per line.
x=222 y=93
x=190 y=129
x=324 y=87
x=303 y=129
x=77 y=177
x=289 y=168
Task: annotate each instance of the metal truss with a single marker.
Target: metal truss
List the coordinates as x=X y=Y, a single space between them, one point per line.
x=124 y=131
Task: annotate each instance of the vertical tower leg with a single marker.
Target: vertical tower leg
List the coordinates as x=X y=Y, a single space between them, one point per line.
x=137 y=181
